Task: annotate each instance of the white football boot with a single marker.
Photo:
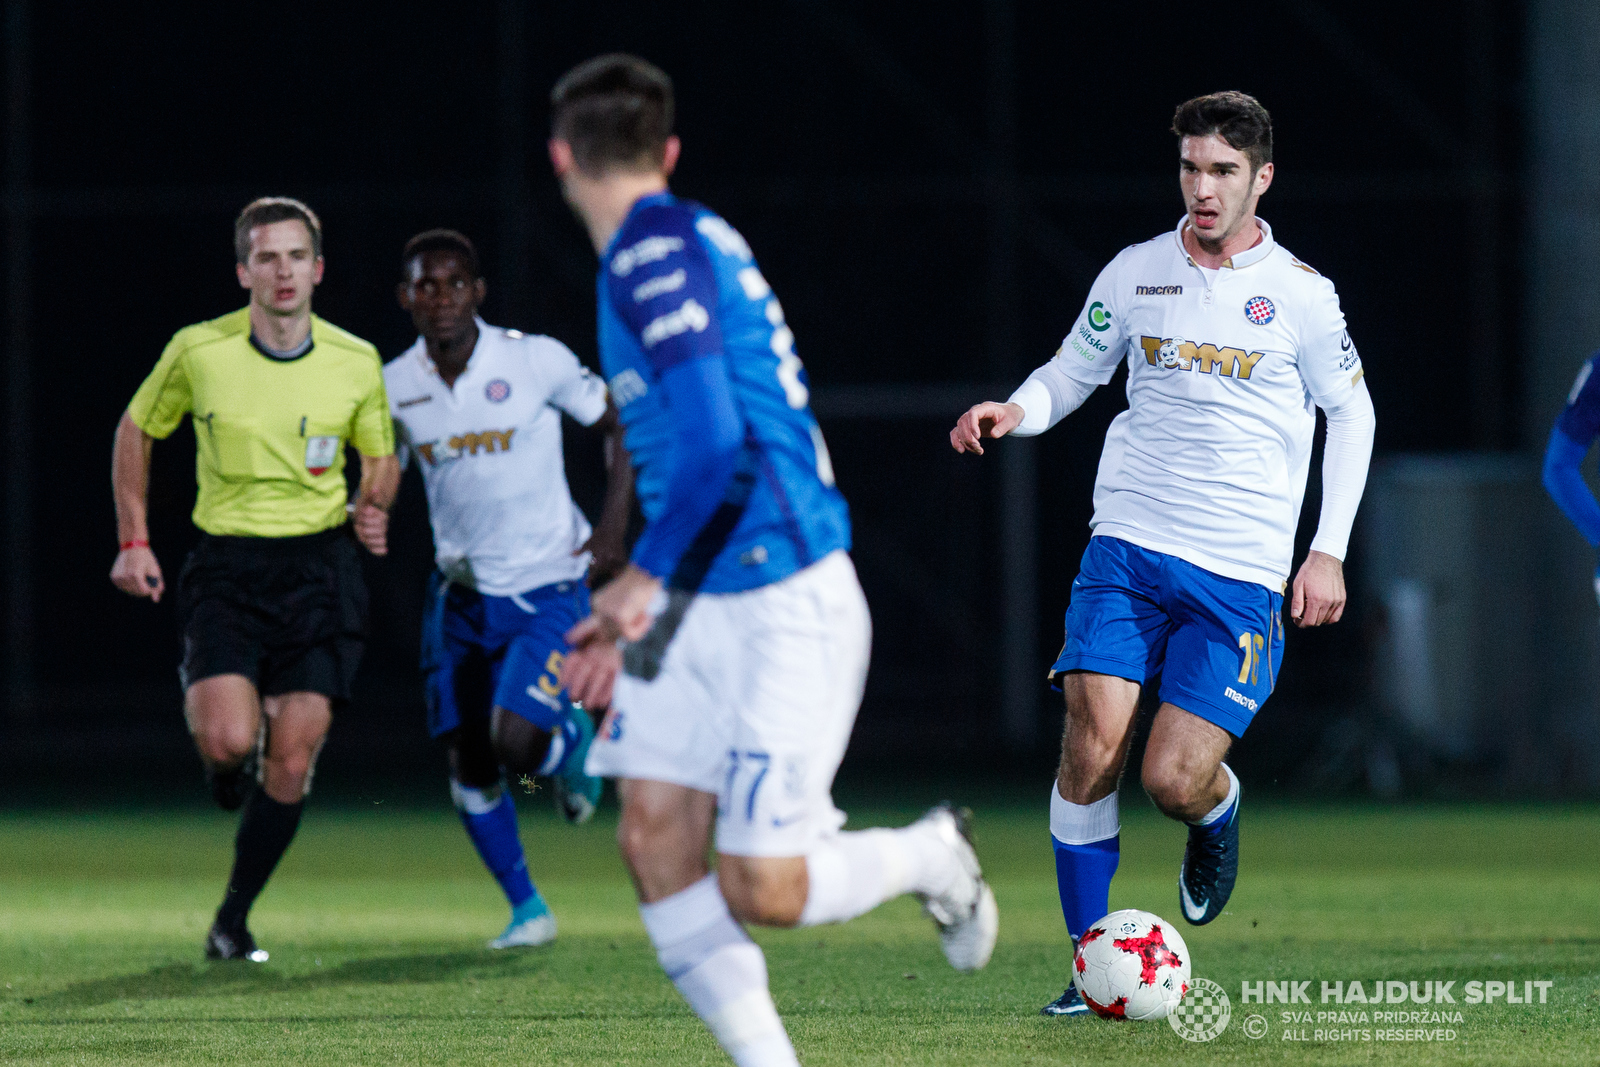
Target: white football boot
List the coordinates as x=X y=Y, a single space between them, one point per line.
x=539 y=930
x=966 y=914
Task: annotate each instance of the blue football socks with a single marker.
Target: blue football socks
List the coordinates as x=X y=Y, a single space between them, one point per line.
x=1083 y=879
x=1087 y=846
x=491 y=822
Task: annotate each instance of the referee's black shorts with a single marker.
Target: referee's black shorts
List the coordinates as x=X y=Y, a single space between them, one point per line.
x=289 y=613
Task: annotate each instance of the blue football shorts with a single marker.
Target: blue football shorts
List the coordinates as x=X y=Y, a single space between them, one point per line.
x=481 y=651
x=1216 y=642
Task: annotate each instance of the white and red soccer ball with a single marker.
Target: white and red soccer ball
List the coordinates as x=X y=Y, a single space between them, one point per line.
x=1131 y=965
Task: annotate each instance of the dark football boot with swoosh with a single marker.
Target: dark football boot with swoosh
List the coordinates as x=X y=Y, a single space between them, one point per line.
x=1210 y=867
x=1069 y=1003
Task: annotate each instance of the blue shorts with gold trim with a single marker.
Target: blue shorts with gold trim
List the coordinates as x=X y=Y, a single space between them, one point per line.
x=1216 y=642
x=481 y=651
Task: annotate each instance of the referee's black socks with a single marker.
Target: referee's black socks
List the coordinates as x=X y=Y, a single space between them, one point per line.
x=264 y=835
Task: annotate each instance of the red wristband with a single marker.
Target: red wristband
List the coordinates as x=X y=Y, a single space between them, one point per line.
x=134 y=544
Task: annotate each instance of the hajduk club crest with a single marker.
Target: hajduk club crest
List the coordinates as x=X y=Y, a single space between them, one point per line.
x=1259 y=310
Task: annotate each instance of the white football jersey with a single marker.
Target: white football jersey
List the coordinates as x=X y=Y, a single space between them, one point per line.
x=1225 y=369
x=490 y=451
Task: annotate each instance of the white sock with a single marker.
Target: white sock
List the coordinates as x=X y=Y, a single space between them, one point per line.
x=1227 y=802
x=850 y=874
x=720 y=972
x=555 y=753
x=1083 y=824
x=474 y=801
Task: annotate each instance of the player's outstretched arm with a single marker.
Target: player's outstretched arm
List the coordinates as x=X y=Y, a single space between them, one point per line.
x=1048 y=395
x=380 y=480
x=136 y=571
x=985 y=420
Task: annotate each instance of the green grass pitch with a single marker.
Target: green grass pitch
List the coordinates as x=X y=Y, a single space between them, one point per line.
x=376 y=923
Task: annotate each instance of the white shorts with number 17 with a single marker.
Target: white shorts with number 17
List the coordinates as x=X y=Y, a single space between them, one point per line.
x=753 y=699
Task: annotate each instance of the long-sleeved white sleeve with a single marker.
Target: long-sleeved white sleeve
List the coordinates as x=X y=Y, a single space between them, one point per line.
x=1345 y=459
x=1049 y=395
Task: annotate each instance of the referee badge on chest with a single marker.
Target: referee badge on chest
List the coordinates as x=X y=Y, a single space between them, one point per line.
x=320 y=453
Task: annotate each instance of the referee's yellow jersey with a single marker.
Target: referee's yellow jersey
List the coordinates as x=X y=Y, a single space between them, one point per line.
x=269 y=433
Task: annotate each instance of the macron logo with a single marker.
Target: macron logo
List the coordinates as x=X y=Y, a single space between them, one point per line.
x=648 y=250
x=546 y=699
x=1240 y=698
x=691 y=316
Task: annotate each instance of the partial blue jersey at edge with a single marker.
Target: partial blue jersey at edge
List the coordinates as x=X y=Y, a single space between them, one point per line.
x=730 y=466
x=1580 y=419
x=1575 y=430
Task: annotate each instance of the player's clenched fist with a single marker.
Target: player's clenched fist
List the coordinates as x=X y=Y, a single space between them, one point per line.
x=987 y=419
x=371 y=525
x=137 y=573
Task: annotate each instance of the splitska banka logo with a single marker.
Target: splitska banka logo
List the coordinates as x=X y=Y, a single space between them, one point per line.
x=1083 y=339
x=1175 y=353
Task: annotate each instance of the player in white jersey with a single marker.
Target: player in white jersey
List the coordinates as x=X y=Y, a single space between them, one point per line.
x=480 y=409
x=1231 y=343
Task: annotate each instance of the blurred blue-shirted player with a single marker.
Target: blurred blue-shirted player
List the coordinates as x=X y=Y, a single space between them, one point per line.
x=733 y=650
x=1575 y=430
x=480 y=410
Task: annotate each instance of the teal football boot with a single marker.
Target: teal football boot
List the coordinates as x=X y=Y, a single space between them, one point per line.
x=576 y=794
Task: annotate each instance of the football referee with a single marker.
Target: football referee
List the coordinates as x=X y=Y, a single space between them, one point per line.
x=271 y=601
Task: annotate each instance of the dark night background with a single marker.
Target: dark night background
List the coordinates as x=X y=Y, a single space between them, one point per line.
x=929 y=188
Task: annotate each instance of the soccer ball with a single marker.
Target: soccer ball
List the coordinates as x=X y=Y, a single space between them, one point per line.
x=1131 y=965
